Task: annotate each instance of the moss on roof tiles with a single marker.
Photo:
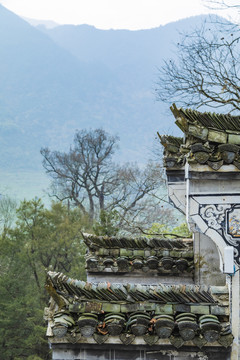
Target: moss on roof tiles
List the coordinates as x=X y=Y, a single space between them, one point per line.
x=93 y=241
x=207 y=119
x=106 y=291
x=169 y=139
x=110 y=321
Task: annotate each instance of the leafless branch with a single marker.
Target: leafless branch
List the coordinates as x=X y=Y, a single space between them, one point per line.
x=206 y=72
x=87 y=176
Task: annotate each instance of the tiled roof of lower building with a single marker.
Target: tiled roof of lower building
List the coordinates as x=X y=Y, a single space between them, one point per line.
x=103 y=312
x=94 y=241
x=128 y=293
x=134 y=255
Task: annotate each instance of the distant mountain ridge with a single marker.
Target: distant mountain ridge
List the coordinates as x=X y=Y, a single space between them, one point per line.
x=54 y=81
x=49 y=24
x=42 y=88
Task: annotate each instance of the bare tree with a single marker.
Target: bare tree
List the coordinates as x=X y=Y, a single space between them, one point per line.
x=230 y=9
x=87 y=176
x=207 y=69
x=136 y=199
x=8 y=208
x=222 y=4
x=86 y=172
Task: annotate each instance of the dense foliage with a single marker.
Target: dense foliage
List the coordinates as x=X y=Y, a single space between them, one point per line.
x=41 y=239
x=36 y=240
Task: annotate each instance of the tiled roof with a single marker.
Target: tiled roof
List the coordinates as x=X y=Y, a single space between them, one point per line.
x=172 y=151
x=210 y=139
x=158 y=256
x=208 y=119
x=100 y=311
x=129 y=292
x=169 y=140
x=134 y=243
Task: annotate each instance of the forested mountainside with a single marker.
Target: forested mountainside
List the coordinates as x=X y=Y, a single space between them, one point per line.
x=54 y=81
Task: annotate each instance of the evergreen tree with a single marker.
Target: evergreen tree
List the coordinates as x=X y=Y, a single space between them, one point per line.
x=42 y=238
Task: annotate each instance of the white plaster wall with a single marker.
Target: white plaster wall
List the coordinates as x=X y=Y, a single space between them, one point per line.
x=137 y=354
x=177 y=194
x=216 y=186
x=207 y=262
x=142 y=278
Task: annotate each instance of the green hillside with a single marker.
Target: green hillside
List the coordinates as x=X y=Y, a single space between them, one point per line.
x=55 y=81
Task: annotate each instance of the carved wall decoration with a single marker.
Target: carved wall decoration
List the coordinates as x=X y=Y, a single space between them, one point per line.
x=233 y=222
x=214 y=215
x=225 y=219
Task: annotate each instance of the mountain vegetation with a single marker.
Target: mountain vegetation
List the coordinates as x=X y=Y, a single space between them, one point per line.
x=54 y=81
x=41 y=238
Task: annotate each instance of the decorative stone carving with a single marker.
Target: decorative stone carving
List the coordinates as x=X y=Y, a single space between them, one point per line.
x=150 y=339
x=225 y=219
x=199 y=341
x=115 y=323
x=187 y=325
x=73 y=337
x=164 y=326
x=138 y=323
x=176 y=341
x=59 y=330
x=210 y=327
x=226 y=340
x=100 y=339
x=127 y=339
x=87 y=324
x=233 y=222
x=214 y=215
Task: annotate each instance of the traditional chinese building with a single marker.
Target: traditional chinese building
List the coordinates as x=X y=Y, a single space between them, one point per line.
x=151 y=298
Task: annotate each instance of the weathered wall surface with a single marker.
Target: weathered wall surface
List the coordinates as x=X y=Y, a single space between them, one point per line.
x=138 y=354
x=207 y=262
x=141 y=279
